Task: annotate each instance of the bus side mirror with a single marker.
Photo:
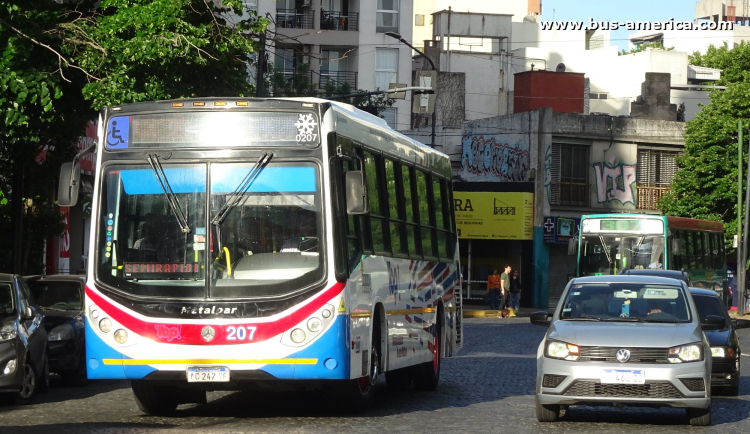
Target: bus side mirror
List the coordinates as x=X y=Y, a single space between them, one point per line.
x=70 y=181
x=356 y=193
x=676 y=246
x=573 y=246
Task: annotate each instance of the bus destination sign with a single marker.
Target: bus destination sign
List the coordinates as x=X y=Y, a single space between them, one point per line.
x=170 y=270
x=620 y=225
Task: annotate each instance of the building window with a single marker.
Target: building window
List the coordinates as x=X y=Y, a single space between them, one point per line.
x=598 y=95
x=569 y=175
x=418 y=20
x=386 y=67
x=387 y=16
x=251 y=5
x=654 y=174
x=389 y=115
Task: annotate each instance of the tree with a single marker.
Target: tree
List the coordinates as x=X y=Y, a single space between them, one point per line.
x=705 y=185
x=656 y=45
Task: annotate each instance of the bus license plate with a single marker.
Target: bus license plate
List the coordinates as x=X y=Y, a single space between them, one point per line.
x=207 y=375
x=621 y=376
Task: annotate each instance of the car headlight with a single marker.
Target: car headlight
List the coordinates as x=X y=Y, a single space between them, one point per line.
x=722 y=352
x=685 y=353
x=562 y=350
x=8 y=332
x=63 y=332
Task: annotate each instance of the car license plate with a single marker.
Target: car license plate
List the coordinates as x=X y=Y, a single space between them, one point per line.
x=207 y=375
x=621 y=376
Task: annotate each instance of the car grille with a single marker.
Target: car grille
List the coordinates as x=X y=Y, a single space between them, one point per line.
x=694 y=384
x=649 y=390
x=637 y=355
x=552 y=380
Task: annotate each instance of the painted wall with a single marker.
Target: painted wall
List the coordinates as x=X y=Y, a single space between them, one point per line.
x=613 y=175
x=563 y=91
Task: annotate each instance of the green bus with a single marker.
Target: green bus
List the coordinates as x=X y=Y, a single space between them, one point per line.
x=610 y=243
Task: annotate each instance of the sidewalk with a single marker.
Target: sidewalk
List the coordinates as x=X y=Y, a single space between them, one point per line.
x=481 y=311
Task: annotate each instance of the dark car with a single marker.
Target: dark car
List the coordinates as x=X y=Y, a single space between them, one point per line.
x=61 y=298
x=725 y=346
x=24 y=368
x=672 y=274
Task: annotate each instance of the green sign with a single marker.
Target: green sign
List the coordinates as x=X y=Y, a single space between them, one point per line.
x=620 y=225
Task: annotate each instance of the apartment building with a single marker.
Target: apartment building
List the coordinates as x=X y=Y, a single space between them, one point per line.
x=343 y=41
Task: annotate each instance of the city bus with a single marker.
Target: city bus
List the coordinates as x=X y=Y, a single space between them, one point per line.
x=610 y=243
x=255 y=243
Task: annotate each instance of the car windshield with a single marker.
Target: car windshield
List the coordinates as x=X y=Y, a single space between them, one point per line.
x=224 y=230
x=7 y=301
x=57 y=295
x=610 y=254
x=709 y=305
x=625 y=302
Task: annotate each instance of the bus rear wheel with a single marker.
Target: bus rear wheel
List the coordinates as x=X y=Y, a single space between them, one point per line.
x=153 y=399
x=427 y=375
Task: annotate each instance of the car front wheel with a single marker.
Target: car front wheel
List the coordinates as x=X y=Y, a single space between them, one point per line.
x=29 y=385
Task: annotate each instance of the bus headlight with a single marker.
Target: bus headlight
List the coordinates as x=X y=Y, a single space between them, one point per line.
x=121 y=336
x=298 y=336
x=105 y=325
x=314 y=325
x=326 y=313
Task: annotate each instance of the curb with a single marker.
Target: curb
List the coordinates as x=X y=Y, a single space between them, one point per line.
x=484 y=314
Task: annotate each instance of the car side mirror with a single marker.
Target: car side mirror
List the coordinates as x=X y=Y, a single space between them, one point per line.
x=741 y=323
x=573 y=246
x=68 y=184
x=713 y=322
x=356 y=193
x=540 y=318
x=28 y=313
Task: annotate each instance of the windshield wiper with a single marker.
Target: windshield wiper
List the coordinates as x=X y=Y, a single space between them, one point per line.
x=174 y=204
x=626 y=319
x=584 y=318
x=665 y=320
x=236 y=196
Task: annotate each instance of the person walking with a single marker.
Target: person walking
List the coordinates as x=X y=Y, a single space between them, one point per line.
x=504 y=285
x=515 y=291
x=493 y=288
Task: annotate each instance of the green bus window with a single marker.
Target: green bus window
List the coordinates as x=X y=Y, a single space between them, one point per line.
x=424 y=199
x=411 y=239
x=409 y=205
x=373 y=187
x=436 y=194
x=390 y=180
x=394 y=208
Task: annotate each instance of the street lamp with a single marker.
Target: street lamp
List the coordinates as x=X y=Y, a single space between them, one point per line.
x=398 y=37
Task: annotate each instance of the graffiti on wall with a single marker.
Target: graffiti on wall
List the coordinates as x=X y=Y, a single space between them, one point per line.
x=548 y=171
x=615 y=182
x=493 y=158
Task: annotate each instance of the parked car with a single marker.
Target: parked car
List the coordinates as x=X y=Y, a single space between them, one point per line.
x=61 y=298
x=672 y=274
x=624 y=340
x=725 y=346
x=24 y=368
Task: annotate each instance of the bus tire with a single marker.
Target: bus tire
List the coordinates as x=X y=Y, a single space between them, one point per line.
x=427 y=375
x=153 y=399
x=398 y=379
x=359 y=393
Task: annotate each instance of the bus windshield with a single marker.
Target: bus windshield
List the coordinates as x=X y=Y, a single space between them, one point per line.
x=162 y=239
x=603 y=254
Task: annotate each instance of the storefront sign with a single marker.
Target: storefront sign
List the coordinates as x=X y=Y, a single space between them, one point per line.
x=559 y=230
x=494 y=216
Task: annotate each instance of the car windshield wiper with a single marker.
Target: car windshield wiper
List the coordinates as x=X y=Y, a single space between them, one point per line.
x=666 y=320
x=624 y=319
x=174 y=204
x=584 y=318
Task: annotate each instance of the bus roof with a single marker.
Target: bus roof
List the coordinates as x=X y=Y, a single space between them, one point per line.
x=683 y=223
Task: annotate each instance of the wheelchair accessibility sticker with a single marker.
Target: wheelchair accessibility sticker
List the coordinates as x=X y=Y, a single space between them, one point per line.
x=118 y=132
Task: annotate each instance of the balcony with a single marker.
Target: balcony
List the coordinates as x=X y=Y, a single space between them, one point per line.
x=649 y=196
x=339 y=21
x=570 y=193
x=294 y=19
x=340 y=77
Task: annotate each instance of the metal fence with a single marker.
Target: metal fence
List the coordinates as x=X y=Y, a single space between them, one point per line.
x=340 y=77
x=339 y=21
x=294 y=19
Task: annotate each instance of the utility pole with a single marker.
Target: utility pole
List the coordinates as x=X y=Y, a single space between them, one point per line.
x=743 y=265
x=738 y=275
x=261 y=67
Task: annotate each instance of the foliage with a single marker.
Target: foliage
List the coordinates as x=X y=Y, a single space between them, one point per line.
x=705 y=186
x=656 y=45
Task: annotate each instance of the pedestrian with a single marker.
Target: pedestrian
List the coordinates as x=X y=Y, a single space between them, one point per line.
x=493 y=289
x=515 y=291
x=504 y=285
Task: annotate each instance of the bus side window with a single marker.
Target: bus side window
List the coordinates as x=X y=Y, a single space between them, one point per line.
x=676 y=258
x=395 y=208
x=412 y=226
x=689 y=249
x=426 y=214
x=375 y=196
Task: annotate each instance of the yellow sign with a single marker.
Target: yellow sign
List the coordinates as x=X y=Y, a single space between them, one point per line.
x=342 y=305
x=494 y=216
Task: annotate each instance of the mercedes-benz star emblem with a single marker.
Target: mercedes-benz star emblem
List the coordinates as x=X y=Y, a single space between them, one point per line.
x=623 y=355
x=208 y=333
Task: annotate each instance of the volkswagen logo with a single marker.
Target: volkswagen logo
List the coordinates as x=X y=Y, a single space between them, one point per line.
x=208 y=333
x=623 y=355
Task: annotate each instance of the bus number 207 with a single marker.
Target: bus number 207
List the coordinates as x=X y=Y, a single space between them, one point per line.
x=241 y=333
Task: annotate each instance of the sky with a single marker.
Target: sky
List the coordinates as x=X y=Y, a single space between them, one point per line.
x=620 y=10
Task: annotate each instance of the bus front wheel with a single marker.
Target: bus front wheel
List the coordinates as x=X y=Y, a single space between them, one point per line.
x=154 y=399
x=427 y=375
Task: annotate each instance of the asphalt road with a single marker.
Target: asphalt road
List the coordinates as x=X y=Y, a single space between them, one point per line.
x=487 y=388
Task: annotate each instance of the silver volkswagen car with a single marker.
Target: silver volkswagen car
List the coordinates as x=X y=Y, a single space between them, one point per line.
x=624 y=340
